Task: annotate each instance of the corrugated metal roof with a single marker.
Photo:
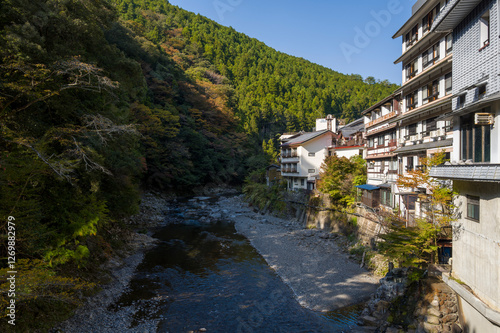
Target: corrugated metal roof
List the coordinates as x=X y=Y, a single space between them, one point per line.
x=368 y=187
x=425 y=146
x=472 y=172
x=354 y=127
x=304 y=137
x=457 y=12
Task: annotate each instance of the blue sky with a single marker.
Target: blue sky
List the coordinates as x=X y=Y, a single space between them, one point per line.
x=347 y=36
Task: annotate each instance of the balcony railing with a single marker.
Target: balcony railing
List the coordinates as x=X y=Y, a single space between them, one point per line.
x=289 y=155
x=381 y=119
x=289 y=170
x=390 y=144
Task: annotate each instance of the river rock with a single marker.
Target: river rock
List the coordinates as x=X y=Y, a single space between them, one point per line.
x=432 y=320
x=451 y=318
x=432 y=311
x=369 y=321
x=430 y=328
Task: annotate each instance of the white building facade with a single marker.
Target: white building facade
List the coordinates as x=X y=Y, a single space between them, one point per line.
x=302 y=155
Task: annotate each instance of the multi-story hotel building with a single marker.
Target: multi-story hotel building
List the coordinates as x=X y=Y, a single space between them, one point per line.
x=381 y=143
x=426 y=95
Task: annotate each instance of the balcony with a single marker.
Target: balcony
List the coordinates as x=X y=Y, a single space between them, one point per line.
x=289 y=155
x=390 y=144
x=289 y=170
x=438 y=133
x=414 y=137
x=381 y=119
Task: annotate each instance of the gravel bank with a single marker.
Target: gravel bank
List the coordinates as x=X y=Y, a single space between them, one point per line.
x=309 y=261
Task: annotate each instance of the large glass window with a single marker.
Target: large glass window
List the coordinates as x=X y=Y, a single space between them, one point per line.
x=475 y=140
x=473 y=208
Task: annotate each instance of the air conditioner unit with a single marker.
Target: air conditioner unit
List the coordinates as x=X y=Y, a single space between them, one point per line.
x=419 y=136
x=484 y=119
x=413 y=138
x=402 y=140
x=434 y=134
x=441 y=132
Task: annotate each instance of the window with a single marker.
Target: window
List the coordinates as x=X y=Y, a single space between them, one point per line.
x=411 y=69
x=412 y=36
x=475 y=139
x=448 y=83
x=429 y=18
x=409 y=163
x=430 y=125
x=302 y=182
x=381 y=140
x=461 y=101
x=481 y=91
x=411 y=100
x=430 y=92
x=473 y=208
x=311 y=170
x=484 y=30
x=449 y=44
x=412 y=129
x=312 y=154
x=431 y=56
x=370 y=143
x=386 y=198
x=393 y=165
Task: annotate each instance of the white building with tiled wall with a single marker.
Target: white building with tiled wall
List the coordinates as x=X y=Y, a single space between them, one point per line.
x=475 y=161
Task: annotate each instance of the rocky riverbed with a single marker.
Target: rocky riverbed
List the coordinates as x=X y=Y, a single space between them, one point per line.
x=309 y=261
x=321 y=275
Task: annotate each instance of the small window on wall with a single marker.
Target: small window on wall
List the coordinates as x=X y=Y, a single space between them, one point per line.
x=302 y=182
x=312 y=154
x=485 y=30
x=448 y=83
x=311 y=170
x=473 y=208
x=481 y=91
x=449 y=44
x=461 y=101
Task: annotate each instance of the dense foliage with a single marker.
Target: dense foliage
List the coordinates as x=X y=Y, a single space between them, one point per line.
x=273 y=92
x=99 y=97
x=339 y=176
x=417 y=245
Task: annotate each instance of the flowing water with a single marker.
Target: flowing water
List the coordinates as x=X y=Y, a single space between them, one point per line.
x=208 y=276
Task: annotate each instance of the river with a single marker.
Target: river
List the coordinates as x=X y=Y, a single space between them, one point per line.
x=205 y=276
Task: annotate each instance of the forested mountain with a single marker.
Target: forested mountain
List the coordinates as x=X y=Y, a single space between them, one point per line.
x=98 y=97
x=274 y=91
